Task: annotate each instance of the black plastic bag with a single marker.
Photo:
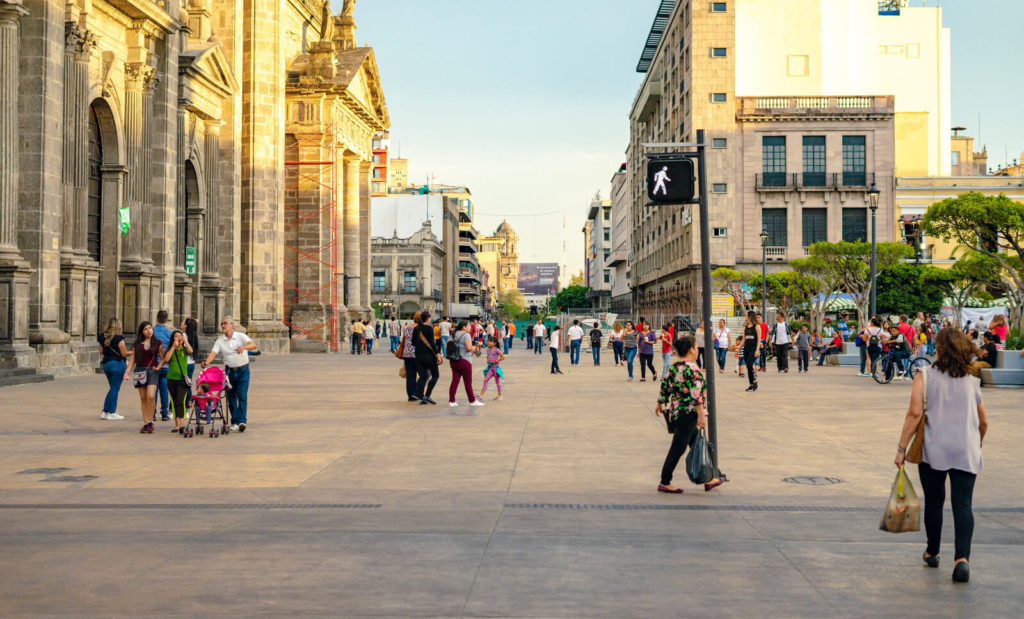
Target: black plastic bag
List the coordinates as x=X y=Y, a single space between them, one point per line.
x=699 y=463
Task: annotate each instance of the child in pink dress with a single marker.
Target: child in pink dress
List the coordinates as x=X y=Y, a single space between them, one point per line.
x=494 y=359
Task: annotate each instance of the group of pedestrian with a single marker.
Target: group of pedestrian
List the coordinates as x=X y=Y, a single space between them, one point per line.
x=362 y=334
x=161 y=363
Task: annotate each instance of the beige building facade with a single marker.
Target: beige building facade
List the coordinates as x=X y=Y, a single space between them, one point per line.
x=143 y=156
x=411 y=274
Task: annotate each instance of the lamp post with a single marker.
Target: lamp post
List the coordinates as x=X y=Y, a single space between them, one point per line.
x=764 y=273
x=661 y=289
x=873 y=194
x=657 y=294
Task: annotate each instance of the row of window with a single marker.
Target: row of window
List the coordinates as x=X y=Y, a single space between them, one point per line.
x=773 y=158
x=814 y=225
x=380 y=281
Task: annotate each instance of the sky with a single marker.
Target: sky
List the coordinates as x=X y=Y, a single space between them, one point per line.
x=526 y=102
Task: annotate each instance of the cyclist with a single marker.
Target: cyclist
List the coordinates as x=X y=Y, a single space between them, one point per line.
x=900 y=347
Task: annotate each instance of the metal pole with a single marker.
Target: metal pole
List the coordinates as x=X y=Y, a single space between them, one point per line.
x=657 y=296
x=705 y=293
x=874 y=263
x=764 y=282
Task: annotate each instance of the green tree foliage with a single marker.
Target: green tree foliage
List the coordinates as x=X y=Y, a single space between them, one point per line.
x=963 y=280
x=850 y=264
x=512 y=305
x=911 y=288
x=571 y=297
x=823 y=283
x=724 y=278
x=786 y=289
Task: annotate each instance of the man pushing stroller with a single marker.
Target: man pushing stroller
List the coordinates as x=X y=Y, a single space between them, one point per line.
x=234 y=347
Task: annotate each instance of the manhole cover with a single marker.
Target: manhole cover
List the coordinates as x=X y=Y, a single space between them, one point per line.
x=51 y=471
x=813 y=480
x=70 y=478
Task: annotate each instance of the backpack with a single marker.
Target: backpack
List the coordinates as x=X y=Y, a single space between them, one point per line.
x=595 y=338
x=452 y=352
x=873 y=341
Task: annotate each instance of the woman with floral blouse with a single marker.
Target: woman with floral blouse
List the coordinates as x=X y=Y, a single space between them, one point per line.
x=683 y=403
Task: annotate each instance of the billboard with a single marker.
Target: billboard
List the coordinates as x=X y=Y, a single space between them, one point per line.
x=539 y=278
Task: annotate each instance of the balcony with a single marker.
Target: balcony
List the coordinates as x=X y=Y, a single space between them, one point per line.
x=616 y=257
x=847 y=181
x=872 y=107
x=774 y=181
x=815 y=180
x=775 y=253
x=470 y=274
x=649 y=98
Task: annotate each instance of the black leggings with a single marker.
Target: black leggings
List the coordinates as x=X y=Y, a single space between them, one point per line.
x=686 y=432
x=410 y=377
x=647 y=360
x=961 y=490
x=749 y=357
x=425 y=369
x=178 y=391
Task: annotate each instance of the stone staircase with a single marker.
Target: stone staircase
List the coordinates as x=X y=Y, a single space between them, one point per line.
x=22 y=376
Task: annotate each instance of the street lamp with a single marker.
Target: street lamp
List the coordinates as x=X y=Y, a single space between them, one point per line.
x=657 y=283
x=661 y=289
x=764 y=273
x=873 y=194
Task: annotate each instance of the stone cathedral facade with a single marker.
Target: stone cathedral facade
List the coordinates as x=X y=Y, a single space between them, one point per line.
x=131 y=130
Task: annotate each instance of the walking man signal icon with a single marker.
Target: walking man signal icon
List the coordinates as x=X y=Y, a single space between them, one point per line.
x=659 y=181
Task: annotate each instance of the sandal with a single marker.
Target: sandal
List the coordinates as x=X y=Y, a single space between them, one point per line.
x=668 y=490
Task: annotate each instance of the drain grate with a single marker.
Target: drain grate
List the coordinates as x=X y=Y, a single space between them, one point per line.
x=195 y=506
x=813 y=480
x=70 y=478
x=50 y=471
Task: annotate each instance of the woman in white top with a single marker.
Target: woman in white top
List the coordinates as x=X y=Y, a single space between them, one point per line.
x=955 y=427
x=368 y=337
x=721 y=345
x=699 y=337
x=616 y=339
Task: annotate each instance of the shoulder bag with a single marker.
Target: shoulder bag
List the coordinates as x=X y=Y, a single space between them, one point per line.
x=184 y=375
x=400 y=353
x=915 y=451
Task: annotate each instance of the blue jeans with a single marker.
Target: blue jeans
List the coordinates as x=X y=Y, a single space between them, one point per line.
x=666 y=360
x=238 y=393
x=507 y=340
x=597 y=354
x=395 y=343
x=190 y=368
x=537 y=345
x=630 y=356
x=444 y=344
x=902 y=359
x=369 y=345
x=162 y=393
x=720 y=354
x=574 y=352
x=529 y=342
x=115 y=376
x=617 y=351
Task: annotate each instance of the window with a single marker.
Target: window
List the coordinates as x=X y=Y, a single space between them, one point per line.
x=718 y=97
x=718 y=7
x=719 y=188
x=954 y=158
x=718 y=142
x=774 y=221
x=815 y=226
x=607 y=214
x=409 y=281
x=854 y=161
x=376 y=158
x=718 y=52
x=719 y=233
x=855 y=224
x=380 y=281
x=378 y=173
x=607 y=254
x=607 y=277
x=814 y=161
x=607 y=235
x=773 y=155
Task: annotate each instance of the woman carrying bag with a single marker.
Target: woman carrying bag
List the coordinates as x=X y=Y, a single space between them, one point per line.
x=953 y=431
x=684 y=405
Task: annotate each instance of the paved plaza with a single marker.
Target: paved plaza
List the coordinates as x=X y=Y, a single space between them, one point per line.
x=344 y=499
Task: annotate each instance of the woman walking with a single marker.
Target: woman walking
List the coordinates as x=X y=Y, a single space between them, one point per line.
x=721 y=345
x=176 y=360
x=698 y=337
x=190 y=328
x=751 y=348
x=616 y=339
x=409 y=358
x=666 y=338
x=144 y=371
x=555 y=342
x=646 y=347
x=427 y=358
x=462 y=368
x=369 y=335
x=683 y=402
x=955 y=428
x=629 y=341
x=114 y=364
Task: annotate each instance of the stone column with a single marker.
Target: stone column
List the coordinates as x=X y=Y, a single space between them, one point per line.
x=136 y=76
x=353 y=233
x=78 y=44
x=14 y=271
x=147 y=171
x=365 y=187
x=212 y=293
x=180 y=219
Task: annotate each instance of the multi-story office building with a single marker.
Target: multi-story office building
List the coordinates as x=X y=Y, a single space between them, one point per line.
x=598 y=247
x=618 y=260
x=805 y=104
x=398 y=174
x=380 y=175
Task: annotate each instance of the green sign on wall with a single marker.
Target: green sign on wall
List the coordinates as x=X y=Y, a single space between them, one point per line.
x=190 y=260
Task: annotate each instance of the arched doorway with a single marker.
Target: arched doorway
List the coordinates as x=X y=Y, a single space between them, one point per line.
x=188 y=234
x=95 y=188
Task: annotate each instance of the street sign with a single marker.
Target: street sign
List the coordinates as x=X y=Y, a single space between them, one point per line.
x=190 y=260
x=124 y=219
x=670 y=181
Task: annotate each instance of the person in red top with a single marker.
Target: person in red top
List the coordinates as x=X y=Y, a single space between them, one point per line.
x=668 y=335
x=763 y=327
x=906 y=329
x=834 y=348
x=1000 y=328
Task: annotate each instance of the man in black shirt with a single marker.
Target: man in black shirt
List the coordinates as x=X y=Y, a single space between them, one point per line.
x=595 y=342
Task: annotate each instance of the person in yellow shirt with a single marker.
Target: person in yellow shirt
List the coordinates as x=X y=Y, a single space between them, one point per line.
x=357 y=336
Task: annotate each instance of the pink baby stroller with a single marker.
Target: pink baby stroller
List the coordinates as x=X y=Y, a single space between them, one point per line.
x=208 y=404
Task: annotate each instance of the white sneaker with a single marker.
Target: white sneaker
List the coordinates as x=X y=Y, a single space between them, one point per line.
x=111 y=416
x=452 y=404
x=476 y=403
x=234 y=427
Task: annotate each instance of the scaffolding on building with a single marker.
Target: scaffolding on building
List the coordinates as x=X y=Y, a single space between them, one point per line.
x=322 y=175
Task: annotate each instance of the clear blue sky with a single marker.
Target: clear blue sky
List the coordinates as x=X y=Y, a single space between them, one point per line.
x=526 y=102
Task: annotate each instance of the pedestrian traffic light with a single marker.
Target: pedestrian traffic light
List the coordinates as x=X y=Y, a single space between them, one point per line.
x=670 y=181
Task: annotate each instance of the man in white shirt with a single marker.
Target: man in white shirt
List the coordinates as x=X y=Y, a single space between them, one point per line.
x=234 y=346
x=781 y=339
x=538 y=336
x=575 y=341
x=395 y=333
x=446 y=331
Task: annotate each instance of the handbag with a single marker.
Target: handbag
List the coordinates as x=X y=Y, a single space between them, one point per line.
x=915 y=451
x=400 y=353
x=184 y=375
x=140 y=378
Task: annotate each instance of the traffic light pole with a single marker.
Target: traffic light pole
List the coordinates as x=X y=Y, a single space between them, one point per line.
x=653 y=188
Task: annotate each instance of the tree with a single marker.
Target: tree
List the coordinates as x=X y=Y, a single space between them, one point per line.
x=824 y=285
x=786 y=289
x=910 y=288
x=850 y=263
x=572 y=297
x=991 y=225
x=725 y=277
x=512 y=305
x=577 y=280
x=960 y=283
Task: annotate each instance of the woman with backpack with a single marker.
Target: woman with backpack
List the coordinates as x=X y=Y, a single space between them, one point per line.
x=427 y=358
x=871 y=344
x=459 y=348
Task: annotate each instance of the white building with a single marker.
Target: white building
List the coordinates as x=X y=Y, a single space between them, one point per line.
x=618 y=260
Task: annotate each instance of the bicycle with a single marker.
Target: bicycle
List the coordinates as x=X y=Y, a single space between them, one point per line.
x=884 y=368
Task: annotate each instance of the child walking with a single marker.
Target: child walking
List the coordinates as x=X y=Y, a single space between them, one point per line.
x=493 y=370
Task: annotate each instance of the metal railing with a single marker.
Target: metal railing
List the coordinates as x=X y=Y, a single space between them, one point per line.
x=774 y=181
